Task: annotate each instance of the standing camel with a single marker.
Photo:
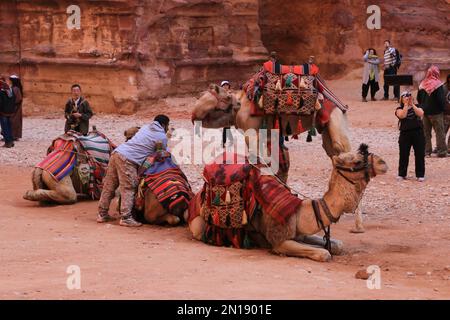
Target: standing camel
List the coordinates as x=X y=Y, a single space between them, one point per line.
x=217 y=108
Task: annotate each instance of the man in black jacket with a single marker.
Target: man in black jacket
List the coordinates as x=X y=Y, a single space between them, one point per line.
x=77 y=112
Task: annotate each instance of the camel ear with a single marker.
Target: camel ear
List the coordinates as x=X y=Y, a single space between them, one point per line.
x=214 y=87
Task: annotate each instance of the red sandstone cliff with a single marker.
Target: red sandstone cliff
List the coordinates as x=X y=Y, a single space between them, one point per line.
x=128 y=53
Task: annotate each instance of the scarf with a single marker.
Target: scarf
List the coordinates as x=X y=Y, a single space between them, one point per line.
x=431 y=81
x=372 y=67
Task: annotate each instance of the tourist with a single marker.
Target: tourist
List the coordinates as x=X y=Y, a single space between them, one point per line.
x=17 y=117
x=77 y=112
x=431 y=98
x=123 y=168
x=390 y=68
x=411 y=135
x=370 y=74
x=447 y=111
x=7 y=108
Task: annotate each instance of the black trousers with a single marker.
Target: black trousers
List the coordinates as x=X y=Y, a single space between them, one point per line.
x=374 y=87
x=391 y=71
x=415 y=139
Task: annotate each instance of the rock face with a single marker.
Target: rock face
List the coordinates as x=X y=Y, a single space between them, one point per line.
x=336 y=32
x=129 y=53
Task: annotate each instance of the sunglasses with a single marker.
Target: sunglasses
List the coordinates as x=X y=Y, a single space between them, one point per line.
x=407 y=95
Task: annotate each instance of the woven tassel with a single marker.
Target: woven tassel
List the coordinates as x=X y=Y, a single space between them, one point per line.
x=246 y=244
x=299 y=126
x=289 y=100
x=216 y=200
x=264 y=123
x=216 y=219
x=278 y=85
x=244 y=218
x=309 y=137
x=313 y=131
x=228 y=197
x=276 y=125
x=295 y=137
x=288 y=129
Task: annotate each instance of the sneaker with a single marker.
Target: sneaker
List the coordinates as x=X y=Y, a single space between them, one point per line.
x=129 y=222
x=400 y=178
x=102 y=218
x=385 y=98
x=421 y=179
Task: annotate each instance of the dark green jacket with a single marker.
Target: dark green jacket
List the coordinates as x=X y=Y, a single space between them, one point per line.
x=81 y=124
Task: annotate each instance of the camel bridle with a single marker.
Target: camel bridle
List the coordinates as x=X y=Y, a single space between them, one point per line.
x=368 y=168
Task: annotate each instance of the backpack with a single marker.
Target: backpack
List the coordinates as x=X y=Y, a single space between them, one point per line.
x=398 y=59
x=8 y=103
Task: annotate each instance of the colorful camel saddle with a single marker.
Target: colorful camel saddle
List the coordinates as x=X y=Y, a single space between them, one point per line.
x=165 y=180
x=231 y=195
x=288 y=90
x=85 y=158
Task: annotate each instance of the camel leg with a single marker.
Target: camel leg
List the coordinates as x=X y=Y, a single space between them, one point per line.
x=36 y=179
x=337 y=246
x=359 y=227
x=197 y=227
x=154 y=212
x=294 y=249
x=61 y=192
x=161 y=219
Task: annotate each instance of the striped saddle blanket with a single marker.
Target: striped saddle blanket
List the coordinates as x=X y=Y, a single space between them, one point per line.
x=65 y=151
x=165 y=180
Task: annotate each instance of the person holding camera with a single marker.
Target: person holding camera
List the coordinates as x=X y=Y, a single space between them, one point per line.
x=411 y=135
x=77 y=112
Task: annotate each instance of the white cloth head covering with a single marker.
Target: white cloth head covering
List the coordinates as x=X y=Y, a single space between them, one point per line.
x=14 y=76
x=224 y=82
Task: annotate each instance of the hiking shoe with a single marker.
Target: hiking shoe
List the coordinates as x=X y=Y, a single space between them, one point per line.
x=129 y=222
x=102 y=218
x=400 y=178
x=421 y=179
x=385 y=98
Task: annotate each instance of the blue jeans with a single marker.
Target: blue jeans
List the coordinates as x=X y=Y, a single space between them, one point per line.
x=5 y=123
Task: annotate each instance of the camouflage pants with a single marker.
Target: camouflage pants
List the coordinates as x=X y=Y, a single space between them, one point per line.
x=121 y=174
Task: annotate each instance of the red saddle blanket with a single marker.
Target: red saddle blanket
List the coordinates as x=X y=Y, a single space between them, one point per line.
x=231 y=195
x=170 y=187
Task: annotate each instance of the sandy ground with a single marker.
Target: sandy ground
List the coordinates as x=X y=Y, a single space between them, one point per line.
x=407 y=230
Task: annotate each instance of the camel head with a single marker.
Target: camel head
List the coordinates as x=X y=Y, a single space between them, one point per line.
x=216 y=108
x=129 y=133
x=359 y=166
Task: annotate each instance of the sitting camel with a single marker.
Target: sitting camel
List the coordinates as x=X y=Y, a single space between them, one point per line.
x=349 y=178
x=71 y=169
x=164 y=192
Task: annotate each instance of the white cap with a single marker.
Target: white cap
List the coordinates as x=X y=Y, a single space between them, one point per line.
x=13 y=76
x=224 y=82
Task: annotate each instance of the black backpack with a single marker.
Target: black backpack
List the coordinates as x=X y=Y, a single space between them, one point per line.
x=7 y=103
x=398 y=59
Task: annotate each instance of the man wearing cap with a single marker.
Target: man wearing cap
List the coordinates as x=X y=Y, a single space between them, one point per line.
x=123 y=168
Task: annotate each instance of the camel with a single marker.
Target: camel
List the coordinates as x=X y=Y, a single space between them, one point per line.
x=349 y=178
x=218 y=108
x=70 y=188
